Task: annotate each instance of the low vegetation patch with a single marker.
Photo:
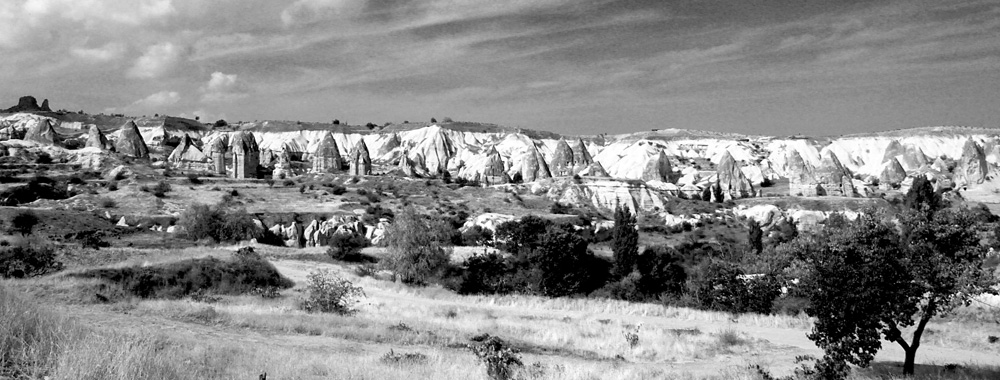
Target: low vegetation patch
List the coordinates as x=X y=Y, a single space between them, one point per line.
x=183 y=278
x=27 y=260
x=328 y=293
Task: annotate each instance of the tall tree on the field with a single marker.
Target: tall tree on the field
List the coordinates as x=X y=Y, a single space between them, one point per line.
x=624 y=242
x=868 y=281
x=418 y=247
x=756 y=237
x=922 y=196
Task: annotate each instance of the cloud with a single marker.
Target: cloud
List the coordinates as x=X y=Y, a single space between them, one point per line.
x=93 y=12
x=156 y=101
x=157 y=61
x=307 y=11
x=109 y=52
x=222 y=87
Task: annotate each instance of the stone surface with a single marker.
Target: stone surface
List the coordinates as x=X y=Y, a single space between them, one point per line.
x=130 y=142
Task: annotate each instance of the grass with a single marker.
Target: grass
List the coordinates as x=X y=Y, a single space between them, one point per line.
x=568 y=338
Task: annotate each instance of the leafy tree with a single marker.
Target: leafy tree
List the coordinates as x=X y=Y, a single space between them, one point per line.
x=755 y=237
x=347 y=247
x=516 y=236
x=660 y=271
x=23 y=222
x=561 y=265
x=624 y=242
x=433 y=120
x=922 y=196
x=220 y=223
x=417 y=247
x=869 y=281
x=220 y=123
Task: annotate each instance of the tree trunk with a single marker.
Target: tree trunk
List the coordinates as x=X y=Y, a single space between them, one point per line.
x=911 y=356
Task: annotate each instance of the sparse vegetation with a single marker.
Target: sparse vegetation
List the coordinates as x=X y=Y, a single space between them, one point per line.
x=328 y=293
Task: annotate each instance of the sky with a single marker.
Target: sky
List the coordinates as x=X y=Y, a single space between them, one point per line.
x=570 y=66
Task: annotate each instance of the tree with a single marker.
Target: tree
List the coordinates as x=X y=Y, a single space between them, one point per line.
x=23 y=222
x=624 y=242
x=433 y=120
x=220 y=123
x=868 y=281
x=756 y=237
x=336 y=122
x=417 y=247
x=922 y=196
x=661 y=271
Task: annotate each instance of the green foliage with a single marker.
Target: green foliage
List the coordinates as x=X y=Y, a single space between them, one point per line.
x=220 y=223
x=23 y=222
x=502 y=362
x=922 y=196
x=328 y=293
x=417 y=251
x=179 y=279
x=194 y=180
x=560 y=265
x=486 y=273
x=755 y=237
x=868 y=281
x=624 y=242
x=347 y=247
x=660 y=272
x=27 y=260
x=477 y=236
x=518 y=235
x=723 y=286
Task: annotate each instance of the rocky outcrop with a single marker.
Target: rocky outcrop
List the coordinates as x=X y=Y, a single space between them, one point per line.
x=97 y=139
x=29 y=104
x=436 y=148
x=533 y=166
x=320 y=232
x=360 y=160
x=217 y=149
x=731 y=180
x=657 y=169
x=291 y=235
x=892 y=174
x=563 y=161
x=282 y=165
x=389 y=145
x=326 y=158
x=972 y=168
x=188 y=155
x=489 y=221
x=581 y=157
x=595 y=169
x=246 y=155
x=42 y=133
x=130 y=142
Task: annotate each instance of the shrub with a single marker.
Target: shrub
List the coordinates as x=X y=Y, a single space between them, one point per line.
x=477 y=236
x=502 y=362
x=486 y=273
x=183 y=278
x=76 y=180
x=392 y=357
x=330 y=294
x=337 y=189
x=43 y=158
x=113 y=186
x=107 y=203
x=417 y=252
x=23 y=222
x=25 y=260
x=288 y=183
x=194 y=180
x=220 y=223
x=347 y=247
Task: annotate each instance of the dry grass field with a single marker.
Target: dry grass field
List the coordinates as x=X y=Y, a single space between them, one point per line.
x=76 y=336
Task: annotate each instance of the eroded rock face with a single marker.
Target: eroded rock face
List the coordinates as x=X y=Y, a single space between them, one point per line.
x=97 y=139
x=360 y=160
x=595 y=169
x=731 y=180
x=130 y=143
x=246 y=155
x=326 y=158
x=581 y=157
x=187 y=153
x=972 y=168
x=319 y=233
x=563 y=161
x=533 y=167
x=658 y=169
x=42 y=133
x=892 y=173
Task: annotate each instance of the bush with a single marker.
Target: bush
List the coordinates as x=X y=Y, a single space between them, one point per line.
x=159 y=190
x=486 y=273
x=417 y=253
x=76 y=180
x=43 y=158
x=219 y=223
x=288 y=183
x=477 y=236
x=194 y=180
x=502 y=362
x=25 y=260
x=113 y=186
x=37 y=188
x=23 y=222
x=330 y=294
x=179 y=279
x=337 y=189
x=107 y=203
x=347 y=247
